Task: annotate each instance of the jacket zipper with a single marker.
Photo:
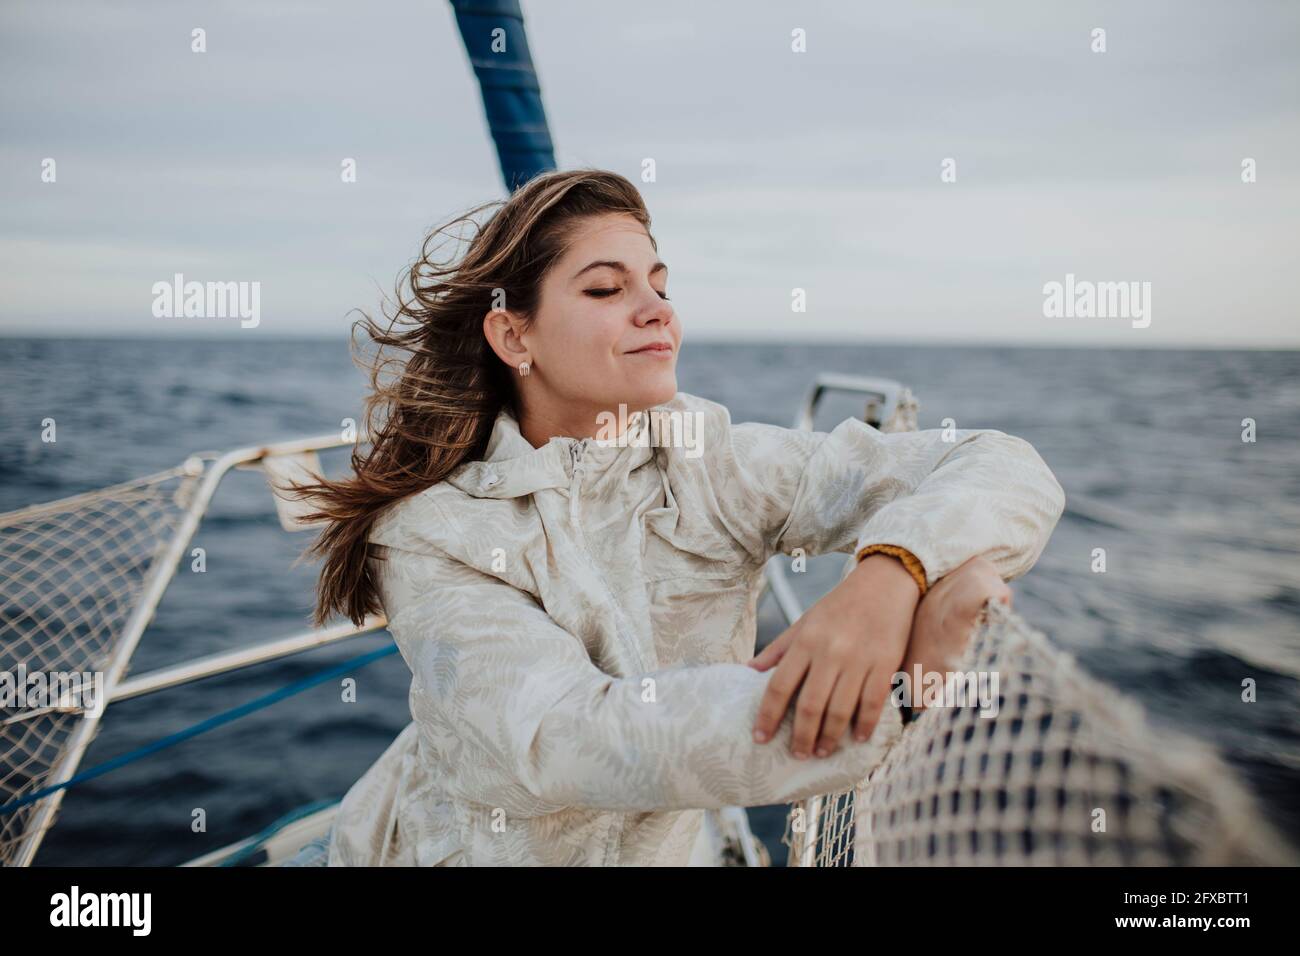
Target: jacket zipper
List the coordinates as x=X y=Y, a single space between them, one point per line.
x=618 y=826
x=575 y=490
x=575 y=450
x=575 y=487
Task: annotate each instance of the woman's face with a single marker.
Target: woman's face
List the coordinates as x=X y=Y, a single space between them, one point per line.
x=601 y=313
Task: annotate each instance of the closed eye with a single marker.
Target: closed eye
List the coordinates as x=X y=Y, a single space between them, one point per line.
x=606 y=293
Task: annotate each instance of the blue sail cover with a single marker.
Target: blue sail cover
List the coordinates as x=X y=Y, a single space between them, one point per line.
x=493 y=31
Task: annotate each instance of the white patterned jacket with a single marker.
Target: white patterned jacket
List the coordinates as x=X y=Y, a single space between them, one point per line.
x=576 y=619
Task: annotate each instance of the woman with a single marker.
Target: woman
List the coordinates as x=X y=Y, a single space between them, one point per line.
x=576 y=600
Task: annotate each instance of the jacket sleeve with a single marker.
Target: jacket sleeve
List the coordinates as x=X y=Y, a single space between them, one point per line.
x=525 y=721
x=914 y=494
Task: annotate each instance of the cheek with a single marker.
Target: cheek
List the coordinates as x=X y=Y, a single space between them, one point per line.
x=586 y=346
x=562 y=327
x=591 y=346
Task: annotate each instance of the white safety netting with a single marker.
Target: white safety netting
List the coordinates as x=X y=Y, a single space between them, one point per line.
x=71 y=574
x=1068 y=772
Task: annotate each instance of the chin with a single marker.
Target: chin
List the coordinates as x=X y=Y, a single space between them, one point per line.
x=642 y=395
x=658 y=392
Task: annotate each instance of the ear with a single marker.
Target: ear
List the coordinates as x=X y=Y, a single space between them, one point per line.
x=504 y=333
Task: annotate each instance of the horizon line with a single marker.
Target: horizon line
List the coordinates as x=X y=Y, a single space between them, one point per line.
x=704 y=339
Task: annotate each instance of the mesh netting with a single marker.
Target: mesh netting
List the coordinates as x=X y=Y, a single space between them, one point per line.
x=1069 y=772
x=71 y=573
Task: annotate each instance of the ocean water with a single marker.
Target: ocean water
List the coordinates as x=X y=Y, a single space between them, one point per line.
x=1201 y=531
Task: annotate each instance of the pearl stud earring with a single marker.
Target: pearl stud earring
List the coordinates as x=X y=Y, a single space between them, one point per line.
x=524 y=368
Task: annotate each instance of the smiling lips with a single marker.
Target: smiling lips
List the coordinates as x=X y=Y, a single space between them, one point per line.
x=655 y=348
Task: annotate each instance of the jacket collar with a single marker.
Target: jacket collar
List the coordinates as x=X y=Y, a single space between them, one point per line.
x=511 y=467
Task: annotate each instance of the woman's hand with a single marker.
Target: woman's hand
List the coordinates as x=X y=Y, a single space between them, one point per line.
x=844 y=651
x=946 y=618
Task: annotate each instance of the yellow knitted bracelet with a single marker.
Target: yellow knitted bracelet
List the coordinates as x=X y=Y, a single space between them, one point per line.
x=910 y=561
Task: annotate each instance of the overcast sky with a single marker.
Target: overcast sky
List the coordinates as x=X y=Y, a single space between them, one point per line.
x=776 y=170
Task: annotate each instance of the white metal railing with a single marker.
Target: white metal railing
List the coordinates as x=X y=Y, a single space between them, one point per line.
x=39 y=546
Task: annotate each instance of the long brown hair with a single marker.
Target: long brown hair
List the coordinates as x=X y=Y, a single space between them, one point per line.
x=445 y=385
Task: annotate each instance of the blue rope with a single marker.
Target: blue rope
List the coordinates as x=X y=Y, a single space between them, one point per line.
x=203 y=726
x=255 y=842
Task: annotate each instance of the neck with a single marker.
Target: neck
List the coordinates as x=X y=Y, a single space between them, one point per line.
x=539 y=426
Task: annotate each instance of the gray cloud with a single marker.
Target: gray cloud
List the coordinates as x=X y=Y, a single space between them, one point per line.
x=775 y=170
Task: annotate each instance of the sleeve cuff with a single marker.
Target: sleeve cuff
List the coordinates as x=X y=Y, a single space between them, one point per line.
x=910 y=561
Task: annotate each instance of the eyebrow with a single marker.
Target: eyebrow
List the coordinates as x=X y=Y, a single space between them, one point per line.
x=618 y=266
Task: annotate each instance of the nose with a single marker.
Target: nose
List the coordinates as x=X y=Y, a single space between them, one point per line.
x=653 y=309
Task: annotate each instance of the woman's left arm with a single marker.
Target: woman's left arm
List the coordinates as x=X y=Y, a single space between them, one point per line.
x=931 y=499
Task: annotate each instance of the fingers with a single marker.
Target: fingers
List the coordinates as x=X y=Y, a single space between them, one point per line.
x=840 y=710
x=780 y=689
x=1000 y=595
x=811 y=706
x=874 y=692
x=772 y=654
x=942 y=629
x=971 y=594
x=971 y=586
